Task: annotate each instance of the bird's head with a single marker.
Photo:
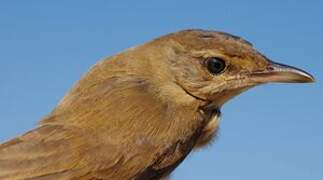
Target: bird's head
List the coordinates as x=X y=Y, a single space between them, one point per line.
x=215 y=66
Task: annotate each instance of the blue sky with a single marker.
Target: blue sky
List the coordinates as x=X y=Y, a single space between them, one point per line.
x=270 y=132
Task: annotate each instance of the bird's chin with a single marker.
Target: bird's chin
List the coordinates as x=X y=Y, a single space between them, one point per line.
x=217 y=101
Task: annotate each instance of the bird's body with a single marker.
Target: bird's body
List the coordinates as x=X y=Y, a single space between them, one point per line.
x=138 y=114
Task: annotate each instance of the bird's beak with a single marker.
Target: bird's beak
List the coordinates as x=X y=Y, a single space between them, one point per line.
x=276 y=72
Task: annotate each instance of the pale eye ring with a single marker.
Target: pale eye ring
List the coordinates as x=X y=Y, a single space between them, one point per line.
x=215 y=65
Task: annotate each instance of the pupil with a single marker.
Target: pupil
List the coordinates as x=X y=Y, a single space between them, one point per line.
x=215 y=65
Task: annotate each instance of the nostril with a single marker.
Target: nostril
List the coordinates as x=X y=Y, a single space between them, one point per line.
x=269 y=68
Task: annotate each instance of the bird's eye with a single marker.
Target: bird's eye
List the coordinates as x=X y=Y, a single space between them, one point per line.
x=215 y=65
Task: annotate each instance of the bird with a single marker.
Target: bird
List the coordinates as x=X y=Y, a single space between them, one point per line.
x=138 y=114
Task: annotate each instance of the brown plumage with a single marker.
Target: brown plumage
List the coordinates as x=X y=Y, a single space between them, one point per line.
x=138 y=114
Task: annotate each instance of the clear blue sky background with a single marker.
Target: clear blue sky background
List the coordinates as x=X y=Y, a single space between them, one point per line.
x=272 y=132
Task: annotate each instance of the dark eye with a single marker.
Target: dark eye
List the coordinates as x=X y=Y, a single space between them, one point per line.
x=215 y=65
